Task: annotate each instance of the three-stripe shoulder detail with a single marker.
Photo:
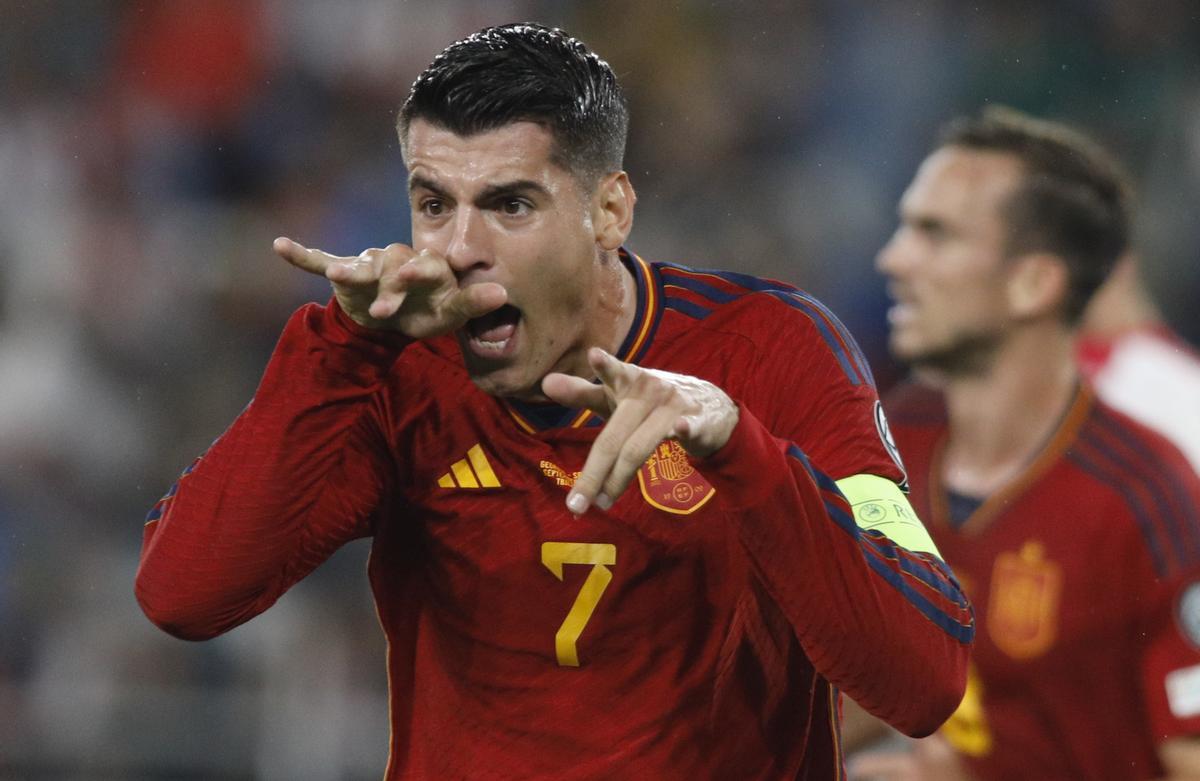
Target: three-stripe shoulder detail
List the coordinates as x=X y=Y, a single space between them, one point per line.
x=1165 y=511
x=697 y=293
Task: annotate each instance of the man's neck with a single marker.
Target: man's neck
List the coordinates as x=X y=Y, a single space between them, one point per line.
x=610 y=317
x=1002 y=417
x=627 y=295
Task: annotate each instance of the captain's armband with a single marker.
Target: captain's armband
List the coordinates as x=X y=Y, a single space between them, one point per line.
x=880 y=505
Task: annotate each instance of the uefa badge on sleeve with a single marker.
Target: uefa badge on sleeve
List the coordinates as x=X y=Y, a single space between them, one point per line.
x=1189 y=613
x=669 y=481
x=889 y=444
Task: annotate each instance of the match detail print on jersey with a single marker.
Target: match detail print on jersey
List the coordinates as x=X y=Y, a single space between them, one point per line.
x=474 y=471
x=560 y=476
x=601 y=556
x=879 y=505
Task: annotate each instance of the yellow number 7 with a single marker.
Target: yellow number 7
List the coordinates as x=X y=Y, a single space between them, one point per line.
x=601 y=556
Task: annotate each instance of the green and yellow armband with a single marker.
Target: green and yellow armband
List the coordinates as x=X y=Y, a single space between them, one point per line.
x=880 y=505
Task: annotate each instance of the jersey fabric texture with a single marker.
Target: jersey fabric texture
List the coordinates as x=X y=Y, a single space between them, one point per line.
x=1085 y=575
x=704 y=627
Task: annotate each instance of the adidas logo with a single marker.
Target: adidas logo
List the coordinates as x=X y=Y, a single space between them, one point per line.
x=474 y=471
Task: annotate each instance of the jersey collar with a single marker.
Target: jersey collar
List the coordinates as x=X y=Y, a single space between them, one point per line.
x=1055 y=448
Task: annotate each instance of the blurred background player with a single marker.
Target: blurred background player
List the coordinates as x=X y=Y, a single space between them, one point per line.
x=1075 y=529
x=587 y=558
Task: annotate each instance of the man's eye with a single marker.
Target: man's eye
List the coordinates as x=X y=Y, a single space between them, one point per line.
x=433 y=207
x=933 y=230
x=514 y=207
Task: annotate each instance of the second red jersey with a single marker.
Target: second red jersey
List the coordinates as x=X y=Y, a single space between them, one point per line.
x=1085 y=575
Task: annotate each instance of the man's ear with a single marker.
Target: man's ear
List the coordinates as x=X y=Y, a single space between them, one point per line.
x=612 y=210
x=1038 y=283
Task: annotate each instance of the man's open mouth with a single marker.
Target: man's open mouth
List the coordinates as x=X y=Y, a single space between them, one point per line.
x=492 y=335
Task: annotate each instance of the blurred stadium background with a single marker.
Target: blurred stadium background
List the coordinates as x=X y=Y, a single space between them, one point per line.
x=150 y=152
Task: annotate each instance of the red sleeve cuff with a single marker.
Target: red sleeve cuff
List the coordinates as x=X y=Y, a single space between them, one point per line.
x=338 y=320
x=359 y=354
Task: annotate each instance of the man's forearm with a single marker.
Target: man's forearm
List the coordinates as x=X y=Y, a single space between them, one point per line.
x=296 y=476
x=885 y=625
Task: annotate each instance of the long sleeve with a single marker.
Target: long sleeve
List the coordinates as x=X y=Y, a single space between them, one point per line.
x=297 y=475
x=888 y=627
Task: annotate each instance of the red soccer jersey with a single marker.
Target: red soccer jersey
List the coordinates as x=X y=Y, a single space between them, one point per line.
x=1085 y=575
x=702 y=628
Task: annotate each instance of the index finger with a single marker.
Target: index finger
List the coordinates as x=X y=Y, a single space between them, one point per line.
x=314 y=261
x=606 y=451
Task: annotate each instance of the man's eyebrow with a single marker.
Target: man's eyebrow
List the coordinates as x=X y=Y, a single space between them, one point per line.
x=516 y=187
x=927 y=223
x=418 y=182
x=489 y=193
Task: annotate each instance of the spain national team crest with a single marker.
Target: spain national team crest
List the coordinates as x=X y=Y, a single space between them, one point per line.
x=669 y=482
x=1022 y=615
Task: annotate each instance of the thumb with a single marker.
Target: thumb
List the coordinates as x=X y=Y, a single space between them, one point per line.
x=476 y=300
x=576 y=393
x=615 y=374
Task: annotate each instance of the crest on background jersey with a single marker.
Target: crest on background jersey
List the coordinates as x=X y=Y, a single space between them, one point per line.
x=1188 y=613
x=889 y=444
x=1022 y=616
x=670 y=482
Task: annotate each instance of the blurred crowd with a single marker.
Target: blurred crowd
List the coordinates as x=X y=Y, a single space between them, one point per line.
x=150 y=152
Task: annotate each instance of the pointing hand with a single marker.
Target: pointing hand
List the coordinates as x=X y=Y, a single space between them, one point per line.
x=397 y=289
x=643 y=407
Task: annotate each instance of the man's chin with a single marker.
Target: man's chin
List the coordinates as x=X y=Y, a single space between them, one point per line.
x=506 y=383
x=964 y=358
x=903 y=351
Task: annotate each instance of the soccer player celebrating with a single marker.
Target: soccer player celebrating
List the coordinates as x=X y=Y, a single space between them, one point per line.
x=628 y=519
x=1075 y=529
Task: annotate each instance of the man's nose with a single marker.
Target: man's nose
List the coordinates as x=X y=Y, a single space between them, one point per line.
x=470 y=244
x=890 y=259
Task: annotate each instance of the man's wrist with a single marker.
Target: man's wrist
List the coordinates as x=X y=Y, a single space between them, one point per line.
x=343 y=322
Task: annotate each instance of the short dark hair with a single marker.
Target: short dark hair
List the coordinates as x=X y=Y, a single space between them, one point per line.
x=1074 y=199
x=526 y=72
